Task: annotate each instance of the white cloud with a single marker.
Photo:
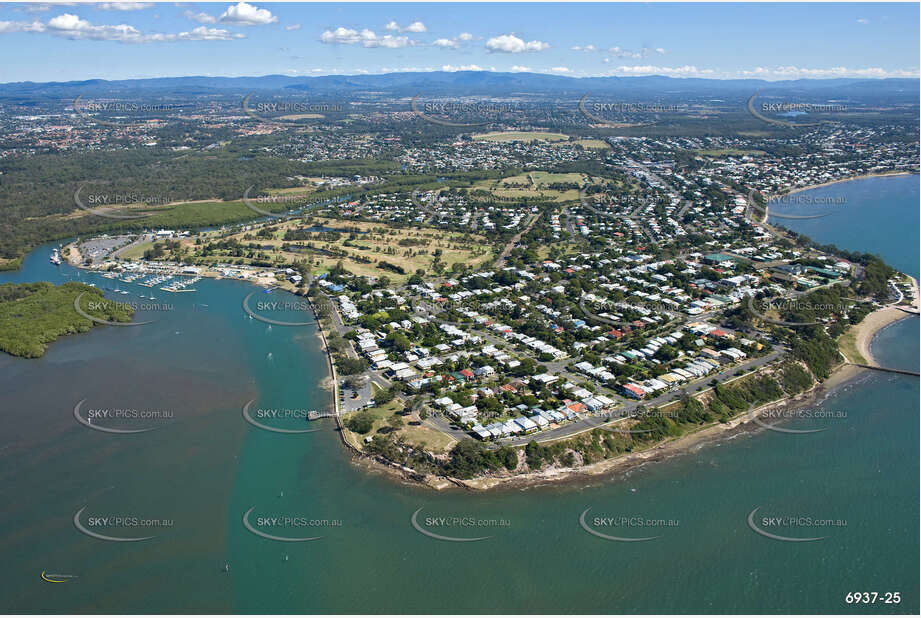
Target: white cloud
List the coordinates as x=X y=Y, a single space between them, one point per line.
x=243 y=14
x=406 y=70
x=620 y=52
x=389 y=42
x=344 y=36
x=123 y=6
x=766 y=73
x=661 y=50
x=21 y=26
x=791 y=72
x=454 y=43
x=202 y=33
x=293 y=27
x=367 y=38
x=416 y=26
x=863 y=21
x=560 y=70
x=585 y=48
x=520 y=69
x=685 y=71
x=45 y=6
x=511 y=44
x=466 y=67
x=202 y=18
x=69 y=26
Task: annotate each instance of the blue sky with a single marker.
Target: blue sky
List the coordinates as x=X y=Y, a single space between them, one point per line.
x=117 y=40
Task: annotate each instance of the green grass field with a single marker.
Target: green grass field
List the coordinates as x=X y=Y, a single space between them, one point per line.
x=521 y=136
x=417 y=435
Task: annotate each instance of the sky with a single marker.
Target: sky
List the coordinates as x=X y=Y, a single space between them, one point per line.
x=122 y=40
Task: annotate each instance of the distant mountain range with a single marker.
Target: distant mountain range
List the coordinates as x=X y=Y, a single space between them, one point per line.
x=472 y=83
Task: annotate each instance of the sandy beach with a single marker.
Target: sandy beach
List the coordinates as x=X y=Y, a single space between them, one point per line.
x=834 y=182
x=878 y=320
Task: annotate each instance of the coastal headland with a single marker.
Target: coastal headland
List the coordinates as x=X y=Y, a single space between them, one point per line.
x=858 y=338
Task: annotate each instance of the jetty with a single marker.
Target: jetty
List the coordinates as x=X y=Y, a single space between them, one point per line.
x=904 y=372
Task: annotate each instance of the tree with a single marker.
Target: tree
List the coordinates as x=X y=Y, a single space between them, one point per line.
x=353 y=382
x=384 y=396
x=351 y=366
x=399 y=341
x=361 y=422
x=666 y=353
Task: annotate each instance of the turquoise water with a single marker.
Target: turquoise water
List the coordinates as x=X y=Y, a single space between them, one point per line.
x=206 y=467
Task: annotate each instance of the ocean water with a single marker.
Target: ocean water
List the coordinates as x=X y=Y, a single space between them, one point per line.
x=872 y=215
x=203 y=469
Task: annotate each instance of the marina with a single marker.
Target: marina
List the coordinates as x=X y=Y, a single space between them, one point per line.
x=182 y=285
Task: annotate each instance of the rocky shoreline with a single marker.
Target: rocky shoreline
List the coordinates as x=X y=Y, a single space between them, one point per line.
x=742 y=423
